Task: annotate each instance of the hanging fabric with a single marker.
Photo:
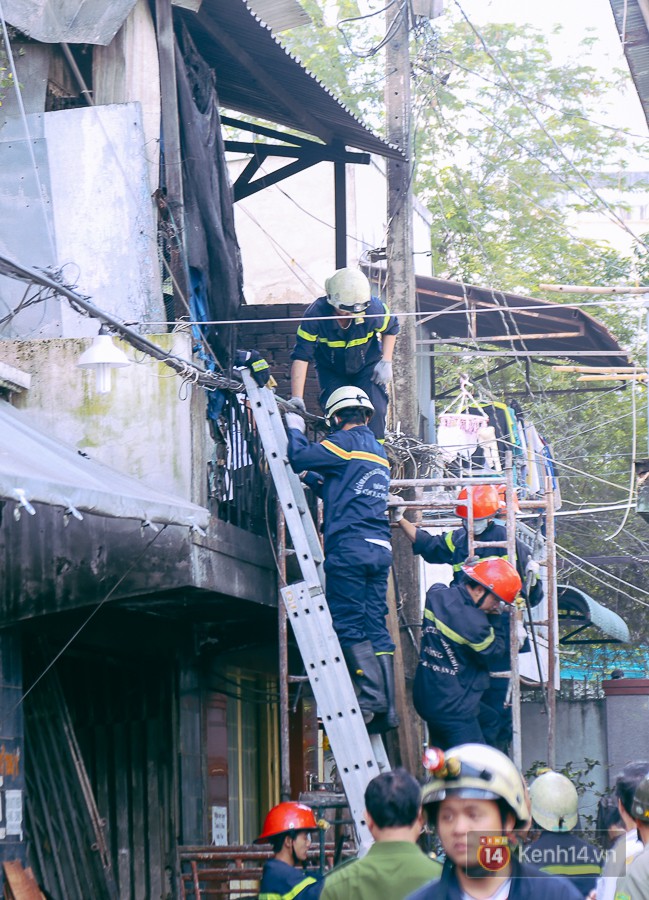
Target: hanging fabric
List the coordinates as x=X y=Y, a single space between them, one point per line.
x=458 y=430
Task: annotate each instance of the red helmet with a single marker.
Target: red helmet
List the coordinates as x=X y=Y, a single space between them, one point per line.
x=496 y=574
x=285 y=817
x=502 y=494
x=486 y=502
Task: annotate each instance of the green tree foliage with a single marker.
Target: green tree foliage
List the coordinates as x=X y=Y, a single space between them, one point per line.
x=508 y=150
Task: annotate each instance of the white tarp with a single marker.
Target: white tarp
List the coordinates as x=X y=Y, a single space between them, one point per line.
x=38 y=469
x=68 y=21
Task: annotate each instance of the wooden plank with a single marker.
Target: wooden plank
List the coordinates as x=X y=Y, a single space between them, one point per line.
x=155 y=808
x=21 y=885
x=408 y=730
x=122 y=809
x=139 y=837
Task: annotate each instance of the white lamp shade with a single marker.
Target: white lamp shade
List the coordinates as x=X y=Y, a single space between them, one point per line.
x=102 y=352
x=102 y=356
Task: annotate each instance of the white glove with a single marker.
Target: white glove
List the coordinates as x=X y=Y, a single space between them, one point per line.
x=521 y=634
x=396 y=512
x=382 y=373
x=295 y=421
x=297 y=403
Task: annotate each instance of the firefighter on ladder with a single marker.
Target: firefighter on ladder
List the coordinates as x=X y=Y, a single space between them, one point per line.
x=288 y=828
x=452 y=548
x=350 y=471
x=458 y=641
x=350 y=336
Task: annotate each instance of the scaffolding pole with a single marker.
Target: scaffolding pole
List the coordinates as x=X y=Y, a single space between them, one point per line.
x=544 y=506
x=551 y=565
x=282 y=640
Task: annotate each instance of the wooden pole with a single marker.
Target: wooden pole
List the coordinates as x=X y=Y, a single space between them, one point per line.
x=173 y=172
x=401 y=298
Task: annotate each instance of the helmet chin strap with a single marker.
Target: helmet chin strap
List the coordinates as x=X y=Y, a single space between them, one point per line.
x=482 y=599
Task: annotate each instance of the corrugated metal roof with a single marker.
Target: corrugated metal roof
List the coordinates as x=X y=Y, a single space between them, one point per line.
x=280 y=14
x=519 y=317
x=255 y=75
x=633 y=29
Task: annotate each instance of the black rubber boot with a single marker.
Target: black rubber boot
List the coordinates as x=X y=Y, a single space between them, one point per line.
x=386 y=662
x=390 y=719
x=368 y=679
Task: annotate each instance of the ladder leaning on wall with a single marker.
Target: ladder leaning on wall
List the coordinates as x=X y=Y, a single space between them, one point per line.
x=359 y=756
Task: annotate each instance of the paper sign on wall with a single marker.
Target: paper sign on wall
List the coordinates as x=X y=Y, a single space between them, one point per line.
x=219 y=826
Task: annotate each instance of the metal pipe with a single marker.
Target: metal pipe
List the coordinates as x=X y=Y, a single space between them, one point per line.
x=552 y=619
x=514 y=617
x=282 y=640
x=76 y=71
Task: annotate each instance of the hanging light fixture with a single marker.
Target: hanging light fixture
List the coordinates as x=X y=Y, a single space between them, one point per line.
x=102 y=356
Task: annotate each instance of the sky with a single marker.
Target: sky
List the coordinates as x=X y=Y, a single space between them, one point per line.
x=578 y=19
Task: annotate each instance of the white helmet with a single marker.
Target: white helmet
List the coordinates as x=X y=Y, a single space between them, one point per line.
x=348 y=397
x=348 y=289
x=554 y=802
x=479 y=772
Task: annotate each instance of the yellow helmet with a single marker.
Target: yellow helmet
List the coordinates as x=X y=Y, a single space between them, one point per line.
x=554 y=802
x=479 y=772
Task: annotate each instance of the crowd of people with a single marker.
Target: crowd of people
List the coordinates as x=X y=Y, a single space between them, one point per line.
x=498 y=839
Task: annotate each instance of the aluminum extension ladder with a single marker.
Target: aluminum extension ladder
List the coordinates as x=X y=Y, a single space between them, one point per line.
x=359 y=756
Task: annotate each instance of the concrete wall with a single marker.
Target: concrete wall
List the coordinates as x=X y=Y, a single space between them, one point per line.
x=580 y=734
x=627 y=721
x=149 y=426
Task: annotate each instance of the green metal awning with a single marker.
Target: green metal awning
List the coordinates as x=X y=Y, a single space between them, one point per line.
x=578 y=608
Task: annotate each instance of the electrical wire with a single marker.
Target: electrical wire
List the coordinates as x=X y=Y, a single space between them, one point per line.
x=87 y=620
x=585 y=562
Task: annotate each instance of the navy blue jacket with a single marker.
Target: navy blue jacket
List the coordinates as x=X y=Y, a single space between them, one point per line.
x=457 y=642
x=525 y=886
x=356 y=481
x=342 y=351
x=567 y=855
x=452 y=548
x=281 y=880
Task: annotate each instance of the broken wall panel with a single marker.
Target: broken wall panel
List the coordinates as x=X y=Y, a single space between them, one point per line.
x=74 y=21
x=77 y=196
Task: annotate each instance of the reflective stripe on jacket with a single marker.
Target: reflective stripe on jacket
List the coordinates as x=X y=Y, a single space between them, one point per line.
x=457 y=642
x=355 y=482
x=342 y=351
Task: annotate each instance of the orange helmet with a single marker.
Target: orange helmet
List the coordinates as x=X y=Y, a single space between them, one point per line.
x=502 y=495
x=496 y=574
x=486 y=502
x=286 y=817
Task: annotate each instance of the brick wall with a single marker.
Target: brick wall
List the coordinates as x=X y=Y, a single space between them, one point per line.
x=275 y=340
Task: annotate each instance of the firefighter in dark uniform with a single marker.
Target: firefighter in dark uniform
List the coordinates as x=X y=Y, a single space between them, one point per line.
x=350 y=471
x=476 y=801
x=288 y=828
x=557 y=851
x=457 y=643
x=452 y=548
x=350 y=336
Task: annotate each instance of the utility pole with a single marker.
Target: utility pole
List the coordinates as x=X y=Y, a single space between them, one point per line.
x=401 y=297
